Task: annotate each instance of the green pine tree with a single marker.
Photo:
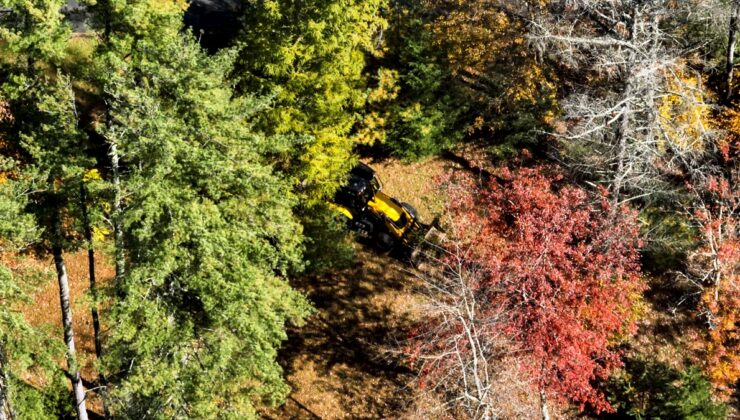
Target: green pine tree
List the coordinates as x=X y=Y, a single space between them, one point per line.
x=414 y=108
x=207 y=226
x=23 y=348
x=646 y=389
x=45 y=137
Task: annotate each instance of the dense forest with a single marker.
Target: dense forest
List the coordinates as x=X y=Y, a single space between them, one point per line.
x=173 y=169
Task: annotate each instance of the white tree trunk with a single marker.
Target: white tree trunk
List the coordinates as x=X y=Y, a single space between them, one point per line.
x=543 y=406
x=5 y=412
x=731 y=39
x=74 y=371
x=117 y=214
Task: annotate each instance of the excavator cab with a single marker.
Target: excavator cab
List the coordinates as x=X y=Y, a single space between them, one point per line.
x=362 y=184
x=367 y=173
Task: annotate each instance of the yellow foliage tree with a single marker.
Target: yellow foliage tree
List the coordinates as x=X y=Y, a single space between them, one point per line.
x=309 y=57
x=685 y=115
x=487 y=50
x=372 y=128
x=729 y=121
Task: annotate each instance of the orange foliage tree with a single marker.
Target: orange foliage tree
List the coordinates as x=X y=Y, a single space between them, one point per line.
x=714 y=267
x=488 y=54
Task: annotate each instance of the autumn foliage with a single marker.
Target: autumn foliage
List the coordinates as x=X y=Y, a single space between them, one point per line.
x=715 y=267
x=510 y=91
x=563 y=269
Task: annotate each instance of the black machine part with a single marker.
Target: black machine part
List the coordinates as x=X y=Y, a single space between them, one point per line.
x=363 y=171
x=384 y=241
x=355 y=194
x=412 y=211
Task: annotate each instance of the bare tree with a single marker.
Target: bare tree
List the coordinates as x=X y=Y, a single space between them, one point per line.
x=468 y=364
x=715 y=212
x=628 y=65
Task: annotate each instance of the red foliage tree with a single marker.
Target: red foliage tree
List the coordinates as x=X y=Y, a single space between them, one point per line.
x=564 y=269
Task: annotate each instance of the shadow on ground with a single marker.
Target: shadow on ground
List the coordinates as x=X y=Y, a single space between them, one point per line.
x=343 y=363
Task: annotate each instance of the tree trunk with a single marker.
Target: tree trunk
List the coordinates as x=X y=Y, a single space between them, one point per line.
x=4 y=415
x=731 y=39
x=103 y=382
x=117 y=213
x=74 y=371
x=623 y=129
x=115 y=162
x=617 y=186
x=5 y=411
x=543 y=406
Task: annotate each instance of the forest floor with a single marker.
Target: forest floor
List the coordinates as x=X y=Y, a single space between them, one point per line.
x=344 y=362
x=341 y=363
x=42 y=310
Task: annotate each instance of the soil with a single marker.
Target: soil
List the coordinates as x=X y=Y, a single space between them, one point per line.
x=43 y=309
x=342 y=363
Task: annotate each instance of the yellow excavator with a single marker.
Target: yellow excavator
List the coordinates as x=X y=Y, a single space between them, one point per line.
x=391 y=225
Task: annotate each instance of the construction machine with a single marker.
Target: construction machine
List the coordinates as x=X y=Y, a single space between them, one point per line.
x=390 y=224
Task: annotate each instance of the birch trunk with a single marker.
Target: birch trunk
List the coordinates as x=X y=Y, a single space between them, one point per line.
x=77 y=388
x=117 y=214
x=113 y=153
x=731 y=39
x=5 y=412
x=543 y=406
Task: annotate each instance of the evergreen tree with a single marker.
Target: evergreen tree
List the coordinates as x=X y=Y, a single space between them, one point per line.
x=44 y=131
x=646 y=389
x=206 y=225
x=415 y=107
x=459 y=69
x=22 y=348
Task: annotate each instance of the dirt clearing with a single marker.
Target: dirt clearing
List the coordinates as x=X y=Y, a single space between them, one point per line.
x=344 y=363
x=341 y=364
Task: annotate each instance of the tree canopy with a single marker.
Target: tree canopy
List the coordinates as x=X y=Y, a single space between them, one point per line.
x=580 y=157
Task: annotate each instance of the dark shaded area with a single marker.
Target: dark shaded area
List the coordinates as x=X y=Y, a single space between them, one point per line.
x=347 y=342
x=75 y=15
x=674 y=304
x=214 y=22
x=649 y=389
